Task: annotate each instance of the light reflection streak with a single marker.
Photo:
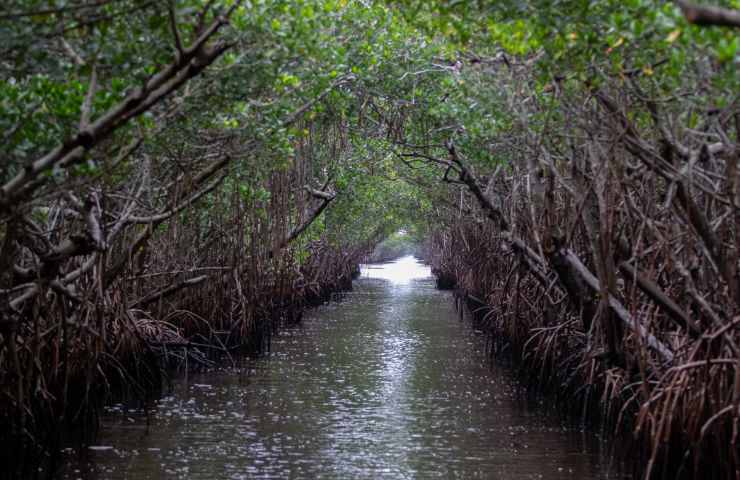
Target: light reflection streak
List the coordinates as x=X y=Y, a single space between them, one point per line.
x=400 y=272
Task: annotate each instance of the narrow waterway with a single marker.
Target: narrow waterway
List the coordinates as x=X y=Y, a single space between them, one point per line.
x=387 y=383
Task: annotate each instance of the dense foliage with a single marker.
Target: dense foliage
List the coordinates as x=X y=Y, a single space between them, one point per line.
x=182 y=172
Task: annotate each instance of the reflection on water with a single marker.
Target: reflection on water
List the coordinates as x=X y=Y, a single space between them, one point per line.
x=386 y=384
x=400 y=272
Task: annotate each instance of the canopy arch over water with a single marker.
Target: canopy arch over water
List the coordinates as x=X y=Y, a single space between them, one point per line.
x=172 y=170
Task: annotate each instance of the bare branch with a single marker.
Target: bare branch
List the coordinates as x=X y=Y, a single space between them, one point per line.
x=709 y=15
x=325 y=199
x=617 y=307
x=72 y=52
x=87 y=105
x=166 y=292
x=173 y=21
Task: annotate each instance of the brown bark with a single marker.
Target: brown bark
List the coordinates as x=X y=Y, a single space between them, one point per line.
x=709 y=15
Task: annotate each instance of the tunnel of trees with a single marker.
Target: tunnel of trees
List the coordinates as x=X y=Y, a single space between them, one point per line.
x=181 y=177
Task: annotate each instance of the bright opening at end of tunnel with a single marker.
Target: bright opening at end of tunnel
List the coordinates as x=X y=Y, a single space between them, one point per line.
x=400 y=272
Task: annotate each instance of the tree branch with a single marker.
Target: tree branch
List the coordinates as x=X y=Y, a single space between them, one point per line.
x=73 y=148
x=166 y=292
x=617 y=307
x=709 y=15
x=325 y=199
x=660 y=298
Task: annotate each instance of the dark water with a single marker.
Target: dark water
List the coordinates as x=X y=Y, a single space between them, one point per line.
x=386 y=384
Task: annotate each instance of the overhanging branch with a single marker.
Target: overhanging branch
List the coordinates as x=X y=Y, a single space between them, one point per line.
x=709 y=15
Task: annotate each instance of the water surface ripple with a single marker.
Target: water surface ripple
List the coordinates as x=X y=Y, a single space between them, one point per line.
x=385 y=384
